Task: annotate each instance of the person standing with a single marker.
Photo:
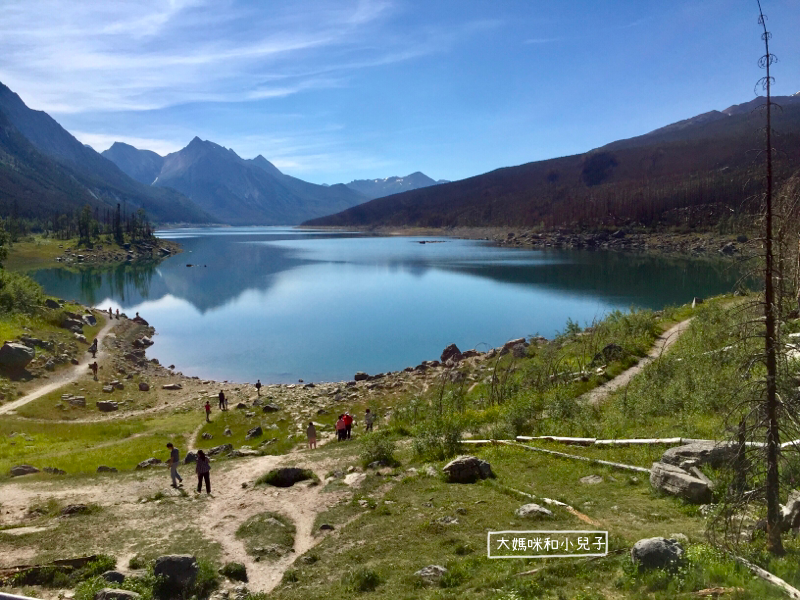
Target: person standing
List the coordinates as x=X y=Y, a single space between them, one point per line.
x=369 y=419
x=174 y=459
x=208 y=412
x=340 y=428
x=258 y=387
x=311 y=432
x=203 y=469
x=94 y=367
x=221 y=400
x=348 y=425
x=93 y=348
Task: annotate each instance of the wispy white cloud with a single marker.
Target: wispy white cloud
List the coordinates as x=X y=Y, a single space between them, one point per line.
x=72 y=56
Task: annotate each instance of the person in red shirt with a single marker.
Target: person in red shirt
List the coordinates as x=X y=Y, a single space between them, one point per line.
x=208 y=412
x=348 y=425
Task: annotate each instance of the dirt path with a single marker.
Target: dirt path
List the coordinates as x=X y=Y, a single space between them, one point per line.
x=663 y=342
x=218 y=516
x=65 y=377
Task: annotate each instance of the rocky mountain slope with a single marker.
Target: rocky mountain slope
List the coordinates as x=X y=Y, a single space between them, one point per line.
x=90 y=175
x=378 y=188
x=232 y=189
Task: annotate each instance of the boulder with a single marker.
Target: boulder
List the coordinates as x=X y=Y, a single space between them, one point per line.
x=23 y=470
x=532 y=511
x=361 y=376
x=113 y=576
x=715 y=454
x=54 y=471
x=207 y=436
x=242 y=453
x=591 y=479
x=241 y=405
x=150 y=462
x=656 y=553
x=105 y=469
x=268 y=408
x=452 y=352
x=431 y=574
x=220 y=449
x=172 y=386
x=190 y=457
x=179 y=570
x=467 y=469
x=89 y=320
x=77 y=401
x=50 y=365
x=510 y=344
x=107 y=406
x=254 y=433
x=144 y=386
x=227 y=432
x=50 y=303
x=609 y=353
x=677 y=482
x=15 y=357
x=108 y=389
x=116 y=594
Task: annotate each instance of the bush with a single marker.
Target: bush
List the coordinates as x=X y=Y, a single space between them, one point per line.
x=362 y=580
x=438 y=440
x=64 y=577
x=137 y=562
x=235 y=571
x=377 y=446
x=286 y=477
x=19 y=293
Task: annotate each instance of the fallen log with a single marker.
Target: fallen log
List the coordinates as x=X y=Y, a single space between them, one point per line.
x=570 y=441
x=572 y=510
x=676 y=441
x=595 y=461
x=792 y=592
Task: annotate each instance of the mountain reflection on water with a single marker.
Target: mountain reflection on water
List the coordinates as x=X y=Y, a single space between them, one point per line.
x=283 y=304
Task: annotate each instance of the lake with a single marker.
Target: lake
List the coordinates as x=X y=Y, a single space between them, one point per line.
x=281 y=304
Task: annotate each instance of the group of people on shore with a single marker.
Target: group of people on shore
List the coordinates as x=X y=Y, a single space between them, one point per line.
x=202 y=469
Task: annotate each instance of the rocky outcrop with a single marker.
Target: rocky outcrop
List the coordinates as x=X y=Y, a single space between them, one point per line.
x=220 y=449
x=361 y=376
x=172 y=386
x=150 y=462
x=255 y=432
x=268 y=408
x=714 y=454
x=15 y=357
x=431 y=574
x=107 y=406
x=190 y=457
x=790 y=513
x=105 y=469
x=675 y=481
x=452 y=353
x=532 y=511
x=467 y=469
x=656 y=553
x=23 y=470
x=113 y=576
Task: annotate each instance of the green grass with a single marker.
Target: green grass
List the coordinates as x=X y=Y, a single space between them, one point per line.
x=267 y=535
x=82 y=447
x=239 y=424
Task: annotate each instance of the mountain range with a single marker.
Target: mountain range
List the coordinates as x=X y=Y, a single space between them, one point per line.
x=712 y=159
x=378 y=188
x=43 y=169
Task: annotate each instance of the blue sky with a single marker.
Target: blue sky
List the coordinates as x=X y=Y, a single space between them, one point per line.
x=351 y=89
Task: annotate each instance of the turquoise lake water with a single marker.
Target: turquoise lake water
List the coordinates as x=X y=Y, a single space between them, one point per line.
x=281 y=304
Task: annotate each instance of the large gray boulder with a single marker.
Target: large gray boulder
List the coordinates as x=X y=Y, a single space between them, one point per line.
x=15 y=357
x=224 y=448
x=467 y=469
x=656 y=553
x=452 y=352
x=431 y=574
x=675 y=481
x=116 y=594
x=715 y=454
x=107 y=406
x=179 y=570
x=23 y=470
x=190 y=458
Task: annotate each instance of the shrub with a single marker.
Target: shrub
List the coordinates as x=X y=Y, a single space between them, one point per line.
x=377 y=446
x=137 y=562
x=19 y=293
x=438 y=440
x=235 y=571
x=290 y=576
x=362 y=580
x=286 y=477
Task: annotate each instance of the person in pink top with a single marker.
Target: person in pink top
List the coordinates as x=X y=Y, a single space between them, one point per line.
x=340 y=428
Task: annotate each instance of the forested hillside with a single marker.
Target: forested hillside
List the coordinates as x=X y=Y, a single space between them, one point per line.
x=711 y=159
